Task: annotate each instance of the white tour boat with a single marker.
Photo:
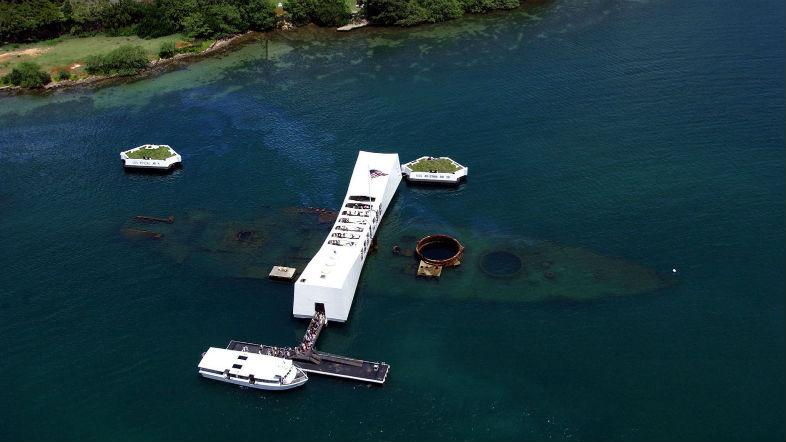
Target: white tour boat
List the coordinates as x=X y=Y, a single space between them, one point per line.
x=252 y=370
x=329 y=280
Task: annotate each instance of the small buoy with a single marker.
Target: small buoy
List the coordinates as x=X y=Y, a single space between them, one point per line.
x=673 y=270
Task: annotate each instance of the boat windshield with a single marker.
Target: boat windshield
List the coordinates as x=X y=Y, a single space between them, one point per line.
x=361 y=198
x=290 y=376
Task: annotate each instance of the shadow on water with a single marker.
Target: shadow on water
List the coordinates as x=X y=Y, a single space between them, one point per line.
x=174 y=169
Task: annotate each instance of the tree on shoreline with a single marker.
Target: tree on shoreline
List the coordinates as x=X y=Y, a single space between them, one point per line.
x=32 y=20
x=28 y=75
x=320 y=12
x=415 y=12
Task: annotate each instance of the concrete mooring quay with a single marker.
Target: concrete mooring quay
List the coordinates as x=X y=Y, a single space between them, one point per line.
x=310 y=360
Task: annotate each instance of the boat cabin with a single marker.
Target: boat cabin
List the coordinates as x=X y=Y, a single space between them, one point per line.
x=252 y=369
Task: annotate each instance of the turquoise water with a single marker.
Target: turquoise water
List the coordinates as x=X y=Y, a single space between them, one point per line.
x=648 y=134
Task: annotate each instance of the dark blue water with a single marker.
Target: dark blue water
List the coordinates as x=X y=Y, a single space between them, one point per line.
x=652 y=132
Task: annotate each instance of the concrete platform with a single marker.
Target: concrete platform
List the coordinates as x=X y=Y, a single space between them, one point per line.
x=149 y=163
x=282 y=273
x=457 y=174
x=427 y=270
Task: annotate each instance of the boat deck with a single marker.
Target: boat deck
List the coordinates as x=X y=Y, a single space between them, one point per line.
x=323 y=363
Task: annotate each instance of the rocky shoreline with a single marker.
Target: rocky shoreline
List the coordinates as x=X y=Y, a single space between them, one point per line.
x=153 y=68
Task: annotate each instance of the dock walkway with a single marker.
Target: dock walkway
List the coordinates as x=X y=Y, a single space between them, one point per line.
x=312 y=332
x=308 y=359
x=321 y=363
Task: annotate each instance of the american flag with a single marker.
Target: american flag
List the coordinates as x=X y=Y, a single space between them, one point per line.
x=375 y=173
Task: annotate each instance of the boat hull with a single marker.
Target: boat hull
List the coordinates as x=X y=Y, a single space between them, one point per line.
x=258 y=385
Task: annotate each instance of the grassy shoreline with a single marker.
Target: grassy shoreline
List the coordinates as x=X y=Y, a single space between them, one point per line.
x=77 y=49
x=65 y=58
x=156 y=65
x=64 y=52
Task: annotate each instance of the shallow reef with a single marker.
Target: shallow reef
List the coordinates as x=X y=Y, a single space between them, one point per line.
x=511 y=268
x=493 y=266
x=243 y=248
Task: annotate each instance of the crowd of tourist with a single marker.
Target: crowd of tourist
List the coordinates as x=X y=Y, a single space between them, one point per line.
x=306 y=346
x=312 y=332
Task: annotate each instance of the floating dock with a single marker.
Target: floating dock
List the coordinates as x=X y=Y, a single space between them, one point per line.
x=308 y=359
x=324 y=363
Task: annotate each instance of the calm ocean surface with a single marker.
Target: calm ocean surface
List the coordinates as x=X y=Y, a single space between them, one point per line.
x=651 y=132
